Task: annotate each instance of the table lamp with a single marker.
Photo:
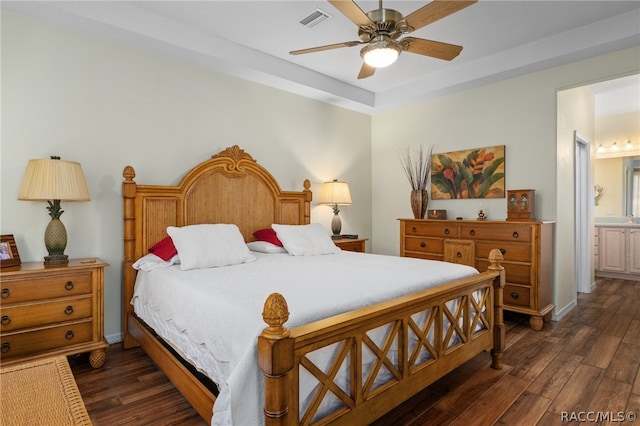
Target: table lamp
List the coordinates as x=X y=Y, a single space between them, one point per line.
x=54 y=180
x=335 y=193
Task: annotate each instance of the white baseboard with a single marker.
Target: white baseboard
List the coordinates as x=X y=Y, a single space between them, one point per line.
x=114 y=338
x=558 y=314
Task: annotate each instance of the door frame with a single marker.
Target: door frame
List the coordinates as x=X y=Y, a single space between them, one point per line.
x=584 y=203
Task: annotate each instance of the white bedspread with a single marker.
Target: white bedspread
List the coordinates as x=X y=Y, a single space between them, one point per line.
x=219 y=310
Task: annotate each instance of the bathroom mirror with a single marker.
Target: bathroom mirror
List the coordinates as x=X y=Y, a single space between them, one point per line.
x=615 y=177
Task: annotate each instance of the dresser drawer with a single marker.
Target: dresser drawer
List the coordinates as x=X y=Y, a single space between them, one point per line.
x=25 y=315
x=45 y=287
x=509 y=232
x=428 y=256
x=516 y=295
x=424 y=245
x=30 y=342
x=434 y=229
x=512 y=252
x=514 y=273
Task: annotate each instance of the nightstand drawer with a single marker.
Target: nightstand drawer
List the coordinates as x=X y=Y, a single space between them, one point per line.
x=31 y=342
x=42 y=313
x=349 y=244
x=45 y=287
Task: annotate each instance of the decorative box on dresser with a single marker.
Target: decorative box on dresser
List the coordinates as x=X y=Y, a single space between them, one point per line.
x=527 y=247
x=52 y=310
x=351 y=244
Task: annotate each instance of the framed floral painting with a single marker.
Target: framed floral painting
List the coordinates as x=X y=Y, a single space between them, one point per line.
x=472 y=173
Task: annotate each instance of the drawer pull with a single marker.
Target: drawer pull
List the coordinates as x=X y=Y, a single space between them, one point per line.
x=423 y=244
x=472 y=232
x=458 y=255
x=6 y=347
x=68 y=310
x=514 y=294
x=446 y=231
x=515 y=234
x=5 y=320
x=69 y=335
x=69 y=285
x=414 y=229
x=503 y=251
x=5 y=293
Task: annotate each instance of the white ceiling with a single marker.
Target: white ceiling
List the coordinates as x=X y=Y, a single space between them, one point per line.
x=251 y=39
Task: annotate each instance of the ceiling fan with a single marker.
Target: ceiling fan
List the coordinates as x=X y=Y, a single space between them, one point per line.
x=380 y=29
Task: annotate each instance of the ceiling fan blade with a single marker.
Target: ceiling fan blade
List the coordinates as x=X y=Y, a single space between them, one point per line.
x=435 y=11
x=366 y=71
x=326 y=47
x=436 y=49
x=352 y=11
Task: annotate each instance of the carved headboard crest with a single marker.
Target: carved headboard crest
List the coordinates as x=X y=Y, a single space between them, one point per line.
x=236 y=155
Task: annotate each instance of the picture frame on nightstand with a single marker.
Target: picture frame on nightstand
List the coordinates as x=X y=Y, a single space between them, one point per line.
x=9 y=255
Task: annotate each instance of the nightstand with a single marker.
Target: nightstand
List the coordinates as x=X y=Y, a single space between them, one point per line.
x=48 y=311
x=351 y=244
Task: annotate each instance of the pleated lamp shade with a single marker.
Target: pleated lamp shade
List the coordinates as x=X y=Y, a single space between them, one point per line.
x=54 y=179
x=335 y=192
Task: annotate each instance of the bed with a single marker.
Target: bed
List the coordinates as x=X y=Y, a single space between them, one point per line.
x=366 y=360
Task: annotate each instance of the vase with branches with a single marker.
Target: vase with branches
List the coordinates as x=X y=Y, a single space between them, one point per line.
x=416 y=163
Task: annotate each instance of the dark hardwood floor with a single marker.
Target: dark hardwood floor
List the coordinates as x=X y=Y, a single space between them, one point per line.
x=585 y=365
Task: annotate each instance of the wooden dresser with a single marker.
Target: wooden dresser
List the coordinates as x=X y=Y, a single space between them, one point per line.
x=48 y=311
x=527 y=248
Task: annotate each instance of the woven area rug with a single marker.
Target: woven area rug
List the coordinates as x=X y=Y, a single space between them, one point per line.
x=41 y=392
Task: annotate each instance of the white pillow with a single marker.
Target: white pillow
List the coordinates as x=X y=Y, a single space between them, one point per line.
x=150 y=261
x=209 y=245
x=305 y=240
x=265 y=247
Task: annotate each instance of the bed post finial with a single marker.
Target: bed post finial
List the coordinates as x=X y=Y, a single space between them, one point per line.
x=275 y=358
x=128 y=174
x=275 y=314
x=496 y=259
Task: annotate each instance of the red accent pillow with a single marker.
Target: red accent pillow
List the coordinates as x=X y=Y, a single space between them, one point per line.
x=164 y=249
x=268 y=235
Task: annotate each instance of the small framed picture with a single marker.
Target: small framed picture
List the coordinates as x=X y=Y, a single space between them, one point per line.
x=9 y=255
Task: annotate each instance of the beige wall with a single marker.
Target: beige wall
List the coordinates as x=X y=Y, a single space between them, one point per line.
x=575 y=112
x=522 y=114
x=107 y=106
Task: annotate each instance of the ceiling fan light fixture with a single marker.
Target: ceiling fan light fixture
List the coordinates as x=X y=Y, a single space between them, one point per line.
x=381 y=52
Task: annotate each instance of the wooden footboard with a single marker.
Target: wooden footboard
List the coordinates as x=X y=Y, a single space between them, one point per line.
x=414 y=340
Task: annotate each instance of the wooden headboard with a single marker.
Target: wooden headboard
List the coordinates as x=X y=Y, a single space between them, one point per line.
x=231 y=187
